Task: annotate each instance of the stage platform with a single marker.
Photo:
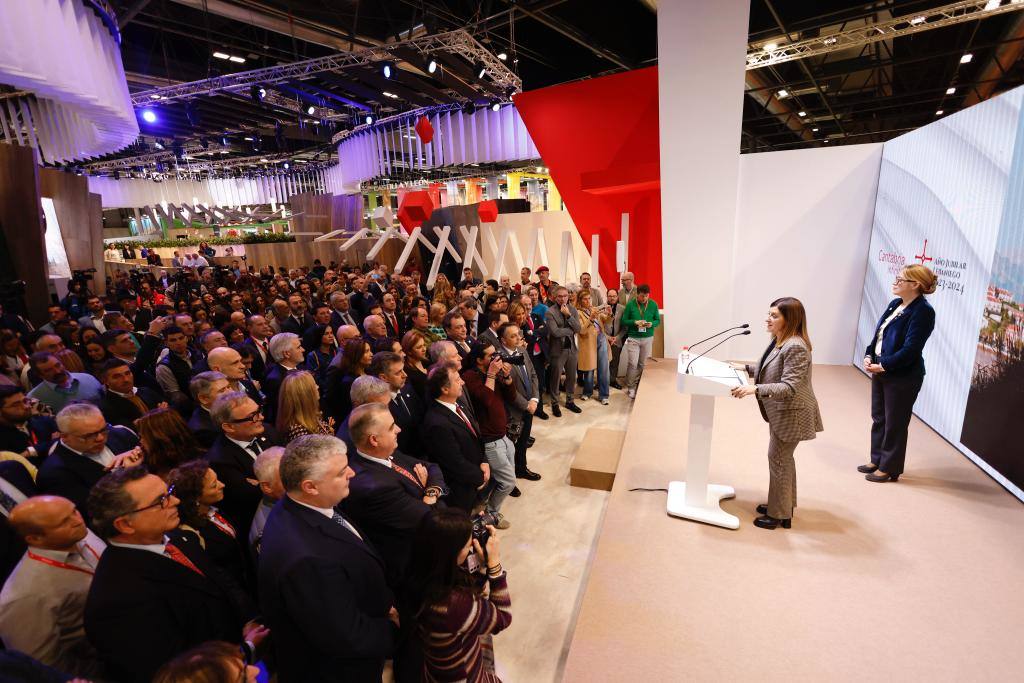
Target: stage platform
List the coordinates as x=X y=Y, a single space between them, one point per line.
x=918 y=580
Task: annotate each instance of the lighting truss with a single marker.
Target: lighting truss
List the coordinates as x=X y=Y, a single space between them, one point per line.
x=194 y=164
x=414 y=113
x=908 y=24
x=457 y=42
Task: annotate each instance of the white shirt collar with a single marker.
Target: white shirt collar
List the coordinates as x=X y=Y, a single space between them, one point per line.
x=134 y=391
x=326 y=512
x=244 y=445
x=104 y=457
x=158 y=548
x=379 y=461
x=450 y=406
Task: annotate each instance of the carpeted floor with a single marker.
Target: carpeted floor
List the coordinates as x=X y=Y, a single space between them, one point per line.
x=918 y=580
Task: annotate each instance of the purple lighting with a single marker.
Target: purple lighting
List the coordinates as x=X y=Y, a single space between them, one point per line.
x=149 y=116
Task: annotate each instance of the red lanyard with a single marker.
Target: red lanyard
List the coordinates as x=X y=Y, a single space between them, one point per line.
x=65 y=565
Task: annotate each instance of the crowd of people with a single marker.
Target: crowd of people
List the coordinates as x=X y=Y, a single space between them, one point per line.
x=215 y=466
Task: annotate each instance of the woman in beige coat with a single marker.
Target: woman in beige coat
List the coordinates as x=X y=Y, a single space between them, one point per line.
x=787 y=403
x=589 y=337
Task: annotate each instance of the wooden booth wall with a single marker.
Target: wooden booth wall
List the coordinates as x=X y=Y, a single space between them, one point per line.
x=81 y=220
x=24 y=251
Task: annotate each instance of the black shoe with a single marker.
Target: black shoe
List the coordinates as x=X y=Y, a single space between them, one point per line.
x=573 y=407
x=555 y=410
x=515 y=493
x=867 y=469
x=530 y=442
x=767 y=522
x=616 y=385
x=527 y=475
x=541 y=415
x=762 y=509
x=882 y=477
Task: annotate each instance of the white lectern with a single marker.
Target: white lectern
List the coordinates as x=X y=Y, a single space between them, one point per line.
x=695 y=498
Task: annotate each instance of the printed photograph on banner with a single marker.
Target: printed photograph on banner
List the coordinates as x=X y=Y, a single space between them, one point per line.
x=995 y=403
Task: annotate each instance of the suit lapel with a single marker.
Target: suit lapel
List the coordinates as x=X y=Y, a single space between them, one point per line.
x=333 y=530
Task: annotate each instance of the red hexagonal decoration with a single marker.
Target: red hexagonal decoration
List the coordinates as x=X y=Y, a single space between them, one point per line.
x=488 y=211
x=425 y=130
x=416 y=207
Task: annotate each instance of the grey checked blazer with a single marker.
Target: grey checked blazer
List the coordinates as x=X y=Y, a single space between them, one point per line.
x=784 y=392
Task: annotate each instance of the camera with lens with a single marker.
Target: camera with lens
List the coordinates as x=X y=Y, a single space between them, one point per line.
x=82 y=275
x=511 y=358
x=480 y=524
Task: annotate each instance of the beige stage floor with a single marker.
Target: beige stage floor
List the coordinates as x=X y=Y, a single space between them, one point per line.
x=919 y=580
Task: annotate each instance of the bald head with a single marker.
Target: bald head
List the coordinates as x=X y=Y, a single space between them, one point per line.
x=346 y=332
x=227 y=361
x=374 y=326
x=50 y=343
x=48 y=522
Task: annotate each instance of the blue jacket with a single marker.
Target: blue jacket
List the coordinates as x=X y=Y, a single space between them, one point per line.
x=904 y=338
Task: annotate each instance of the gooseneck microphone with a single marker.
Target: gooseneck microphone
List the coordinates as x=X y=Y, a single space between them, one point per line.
x=738 y=334
x=719 y=334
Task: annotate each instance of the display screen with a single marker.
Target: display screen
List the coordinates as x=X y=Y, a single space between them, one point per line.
x=951 y=196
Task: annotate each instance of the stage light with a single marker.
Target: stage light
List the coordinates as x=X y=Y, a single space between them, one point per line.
x=771 y=46
x=801 y=113
x=480 y=70
x=950 y=91
x=432 y=65
x=939 y=113
x=502 y=56
x=149 y=116
x=286 y=166
x=814 y=130
x=221 y=55
x=257 y=93
x=468 y=108
x=391 y=95
x=224 y=141
x=966 y=58
x=496 y=106
x=158 y=144
x=992 y=4
x=263 y=160
x=311 y=110
x=387 y=68
x=782 y=93
x=916 y=21
x=237 y=60
x=156 y=97
x=369 y=119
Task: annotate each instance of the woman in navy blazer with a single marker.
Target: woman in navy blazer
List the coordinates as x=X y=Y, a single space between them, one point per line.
x=893 y=359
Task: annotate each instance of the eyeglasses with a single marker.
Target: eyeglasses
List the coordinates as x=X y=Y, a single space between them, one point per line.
x=161 y=502
x=901 y=280
x=91 y=436
x=251 y=417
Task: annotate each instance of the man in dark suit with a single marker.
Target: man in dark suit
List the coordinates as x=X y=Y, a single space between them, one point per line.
x=524 y=406
x=288 y=354
x=88 y=448
x=206 y=387
x=233 y=453
x=451 y=438
x=121 y=401
x=20 y=430
x=389 y=311
x=391 y=491
x=406 y=406
x=360 y=300
x=322 y=585
x=299 y=320
x=259 y=341
x=15 y=486
x=341 y=312
x=455 y=328
x=155 y=595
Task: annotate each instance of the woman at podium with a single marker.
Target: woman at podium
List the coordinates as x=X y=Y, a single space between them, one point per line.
x=787 y=403
x=893 y=359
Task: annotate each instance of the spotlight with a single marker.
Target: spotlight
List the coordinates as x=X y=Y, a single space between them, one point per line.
x=480 y=70
x=468 y=108
x=311 y=110
x=432 y=65
x=369 y=119
x=951 y=91
x=496 y=106
x=258 y=93
x=158 y=144
x=286 y=166
x=502 y=56
x=149 y=116
x=966 y=58
x=387 y=68
x=224 y=141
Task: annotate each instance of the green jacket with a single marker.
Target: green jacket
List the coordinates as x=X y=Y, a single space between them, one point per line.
x=633 y=313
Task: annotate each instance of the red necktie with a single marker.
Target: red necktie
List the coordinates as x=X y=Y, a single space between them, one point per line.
x=405 y=473
x=224 y=525
x=465 y=419
x=175 y=554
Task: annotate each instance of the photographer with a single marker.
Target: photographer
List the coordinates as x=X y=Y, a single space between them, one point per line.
x=489 y=385
x=458 y=596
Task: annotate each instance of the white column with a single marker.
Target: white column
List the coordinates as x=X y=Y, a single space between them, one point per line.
x=701 y=57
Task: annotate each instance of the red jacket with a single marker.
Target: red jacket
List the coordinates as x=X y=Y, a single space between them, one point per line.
x=488 y=404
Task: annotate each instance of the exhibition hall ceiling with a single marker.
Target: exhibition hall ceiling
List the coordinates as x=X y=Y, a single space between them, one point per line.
x=865 y=93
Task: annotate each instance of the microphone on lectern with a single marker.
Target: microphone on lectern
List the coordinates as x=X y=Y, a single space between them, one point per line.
x=738 y=334
x=738 y=327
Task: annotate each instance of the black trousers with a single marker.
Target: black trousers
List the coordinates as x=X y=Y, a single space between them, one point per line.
x=892 y=402
x=524 y=436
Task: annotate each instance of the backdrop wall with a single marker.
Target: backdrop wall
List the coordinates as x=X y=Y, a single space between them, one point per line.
x=803 y=224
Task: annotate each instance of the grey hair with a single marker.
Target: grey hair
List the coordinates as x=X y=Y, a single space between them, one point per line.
x=267 y=465
x=279 y=344
x=75 y=411
x=201 y=383
x=437 y=349
x=337 y=296
x=365 y=388
x=220 y=411
x=306 y=457
x=362 y=419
